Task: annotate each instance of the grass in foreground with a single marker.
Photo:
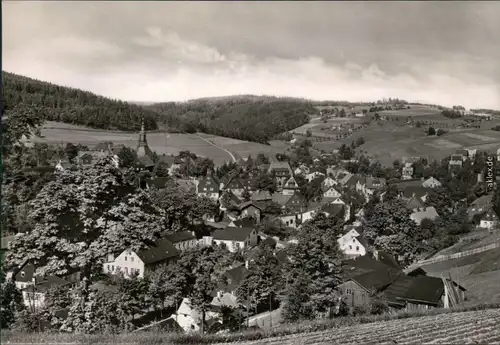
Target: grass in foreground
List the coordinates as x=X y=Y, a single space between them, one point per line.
x=153 y=338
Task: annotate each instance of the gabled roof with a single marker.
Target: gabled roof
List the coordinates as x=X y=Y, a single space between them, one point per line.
x=186 y=185
x=162 y=250
x=158 y=182
x=482 y=201
x=418 y=191
x=232 y=234
x=208 y=182
x=419 y=289
x=490 y=215
x=146 y=161
x=261 y=195
x=281 y=199
x=280 y=166
x=47 y=283
x=414 y=203
x=169 y=160
x=248 y=204
x=361 y=265
x=377 y=279
x=271 y=242
x=232 y=199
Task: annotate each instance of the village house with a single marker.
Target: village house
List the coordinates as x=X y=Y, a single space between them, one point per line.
x=431 y=182
x=228 y=201
x=236 y=239
x=352 y=244
x=290 y=187
x=291 y=220
x=330 y=194
x=247 y=222
x=34 y=294
x=183 y=240
x=407 y=171
x=369 y=185
x=333 y=210
x=328 y=182
x=208 y=187
x=131 y=263
x=422 y=292
x=281 y=171
x=190 y=320
x=232 y=184
x=262 y=197
x=250 y=209
x=314 y=174
x=456 y=161
x=489 y=220
x=480 y=205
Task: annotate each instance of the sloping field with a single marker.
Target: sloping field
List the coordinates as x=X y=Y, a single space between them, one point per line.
x=484 y=287
x=458 y=328
x=172 y=143
x=415 y=110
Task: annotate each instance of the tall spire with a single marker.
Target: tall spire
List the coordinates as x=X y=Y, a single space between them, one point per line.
x=142 y=147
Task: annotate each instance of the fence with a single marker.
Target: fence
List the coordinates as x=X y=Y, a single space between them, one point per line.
x=441 y=258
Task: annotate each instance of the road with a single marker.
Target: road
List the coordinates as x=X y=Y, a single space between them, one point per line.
x=211 y=143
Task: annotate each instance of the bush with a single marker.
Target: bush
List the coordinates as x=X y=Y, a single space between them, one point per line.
x=440 y=132
x=431 y=131
x=379 y=307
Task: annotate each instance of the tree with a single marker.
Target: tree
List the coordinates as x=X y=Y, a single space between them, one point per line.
x=18 y=121
x=202 y=278
x=431 y=131
x=308 y=133
x=261 y=159
x=262 y=281
x=440 y=132
x=388 y=227
x=83 y=216
x=11 y=303
x=167 y=285
x=71 y=152
x=264 y=182
x=246 y=195
x=315 y=262
x=128 y=157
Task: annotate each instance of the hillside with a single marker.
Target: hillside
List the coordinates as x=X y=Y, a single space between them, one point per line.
x=252 y=118
x=74 y=106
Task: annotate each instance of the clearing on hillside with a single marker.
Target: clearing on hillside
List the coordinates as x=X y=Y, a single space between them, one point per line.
x=168 y=143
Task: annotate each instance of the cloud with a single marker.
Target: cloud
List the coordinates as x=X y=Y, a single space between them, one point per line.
x=158 y=51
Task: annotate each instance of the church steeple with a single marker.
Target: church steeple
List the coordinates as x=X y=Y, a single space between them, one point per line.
x=142 y=147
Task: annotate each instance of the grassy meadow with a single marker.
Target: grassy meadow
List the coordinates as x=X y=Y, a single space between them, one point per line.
x=167 y=143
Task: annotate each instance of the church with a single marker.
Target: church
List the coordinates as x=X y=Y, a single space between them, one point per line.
x=144 y=153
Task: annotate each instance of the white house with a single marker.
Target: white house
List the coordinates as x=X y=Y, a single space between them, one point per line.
x=407 y=171
x=290 y=220
x=331 y=193
x=184 y=240
x=131 y=263
x=312 y=175
x=290 y=187
x=189 y=319
x=489 y=220
x=236 y=239
x=328 y=182
x=431 y=182
x=350 y=244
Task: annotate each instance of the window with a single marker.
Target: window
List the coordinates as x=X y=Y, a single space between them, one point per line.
x=132 y=258
x=112 y=268
x=23 y=274
x=126 y=270
x=125 y=258
x=118 y=268
x=139 y=271
x=350 y=247
x=108 y=267
x=357 y=248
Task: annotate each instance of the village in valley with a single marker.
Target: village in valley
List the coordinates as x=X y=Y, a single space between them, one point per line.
x=280 y=173
x=393 y=237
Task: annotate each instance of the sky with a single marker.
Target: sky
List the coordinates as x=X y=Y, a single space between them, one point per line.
x=444 y=53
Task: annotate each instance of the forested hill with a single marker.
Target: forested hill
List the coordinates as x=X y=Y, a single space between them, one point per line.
x=252 y=118
x=64 y=104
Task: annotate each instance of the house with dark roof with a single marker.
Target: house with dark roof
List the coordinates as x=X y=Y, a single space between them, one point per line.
x=208 y=187
x=132 y=263
x=414 y=203
x=34 y=294
x=313 y=174
x=296 y=203
x=228 y=201
x=233 y=184
x=369 y=185
x=261 y=196
x=157 y=183
x=251 y=209
x=183 y=240
x=281 y=171
x=281 y=199
x=480 y=205
x=332 y=210
x=236 y=239
x=422 y=292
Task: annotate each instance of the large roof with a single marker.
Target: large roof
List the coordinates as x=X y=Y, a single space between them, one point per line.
x=421 y=289
x=162 y=250
x=232 y=234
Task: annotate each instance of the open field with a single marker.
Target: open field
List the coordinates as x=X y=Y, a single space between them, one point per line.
x=414 y=111
x=484 y=287
x=430 y=327
x=168 y=143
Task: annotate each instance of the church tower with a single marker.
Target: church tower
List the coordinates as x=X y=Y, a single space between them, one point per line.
x=142 y=147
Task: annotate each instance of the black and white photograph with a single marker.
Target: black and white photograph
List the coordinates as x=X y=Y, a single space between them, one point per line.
x=250 y=172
